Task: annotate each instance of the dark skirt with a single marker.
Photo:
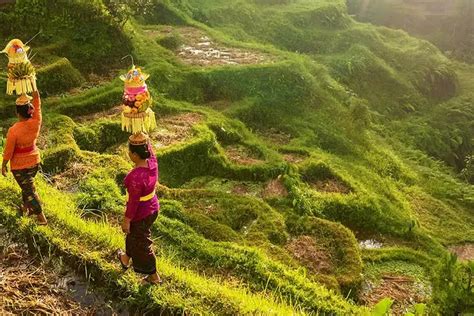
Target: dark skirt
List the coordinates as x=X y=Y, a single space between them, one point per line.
x=139 y=245
x=25 y=179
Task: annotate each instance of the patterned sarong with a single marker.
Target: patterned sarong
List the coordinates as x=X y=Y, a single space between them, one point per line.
x=25 y=179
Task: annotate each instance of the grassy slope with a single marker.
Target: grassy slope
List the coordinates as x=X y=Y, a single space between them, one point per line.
x=315 y=97
x=446 y=24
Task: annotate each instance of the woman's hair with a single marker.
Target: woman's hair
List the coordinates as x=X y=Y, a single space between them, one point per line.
x=25 y=110
x=141 y=150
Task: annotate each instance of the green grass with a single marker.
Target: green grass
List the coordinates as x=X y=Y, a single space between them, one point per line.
x=96 y=242
x=361 y=104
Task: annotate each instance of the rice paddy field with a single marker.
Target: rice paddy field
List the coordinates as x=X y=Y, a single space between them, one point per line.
x=310 y=164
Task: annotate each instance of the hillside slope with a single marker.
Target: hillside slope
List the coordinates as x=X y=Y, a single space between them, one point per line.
x=296 y=175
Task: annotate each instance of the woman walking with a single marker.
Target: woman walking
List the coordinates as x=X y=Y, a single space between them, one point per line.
x=23 y=155
x=141 y=211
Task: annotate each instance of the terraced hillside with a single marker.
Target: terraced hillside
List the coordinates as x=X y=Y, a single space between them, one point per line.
x=448 y=24
x=297 y=172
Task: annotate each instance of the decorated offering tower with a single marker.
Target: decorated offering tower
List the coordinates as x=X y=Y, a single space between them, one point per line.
x=137 y=115
x=21 y=73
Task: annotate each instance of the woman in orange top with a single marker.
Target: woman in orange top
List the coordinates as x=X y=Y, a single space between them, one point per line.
x=22 y=153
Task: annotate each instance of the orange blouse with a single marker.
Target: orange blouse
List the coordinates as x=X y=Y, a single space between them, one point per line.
x=22 y=135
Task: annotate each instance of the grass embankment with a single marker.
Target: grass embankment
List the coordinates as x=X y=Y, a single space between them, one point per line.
x=93 y=244
x=317 y=118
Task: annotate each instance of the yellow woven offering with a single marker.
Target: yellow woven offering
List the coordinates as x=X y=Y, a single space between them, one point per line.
x=21 y=73
x=137 y=115
x=139 y=122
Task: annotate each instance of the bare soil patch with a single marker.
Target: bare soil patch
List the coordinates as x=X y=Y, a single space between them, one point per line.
x=306 y=251
x=111 y=113
x=330 y=186
x=205 y=207
x=274 y=189
x=240 y=189
x=175 y=129
x=404 y=290
x=294 y=157
x=200 y=50
x=219 y=105
x=464 y=252
x=276 y=136
x=242 y=155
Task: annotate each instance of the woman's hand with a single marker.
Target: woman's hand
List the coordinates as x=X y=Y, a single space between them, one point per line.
x=4 y=169
x=126 y=225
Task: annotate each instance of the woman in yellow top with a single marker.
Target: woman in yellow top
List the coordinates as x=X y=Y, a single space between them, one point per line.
x=23 y=155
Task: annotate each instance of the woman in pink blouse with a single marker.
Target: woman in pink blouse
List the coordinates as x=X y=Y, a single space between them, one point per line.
x=142 y=210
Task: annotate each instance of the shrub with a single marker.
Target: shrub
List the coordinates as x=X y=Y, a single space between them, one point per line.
x=91 y=36
x=468 y=171
x=100 y=135
x=452 y=286
x=211 y=229
x=360 y=114
x=100 y=192
x=58 y=77
x=202 y=224
x=171 y=42
x=92 y=101
x=159 y=12
x=57 y=159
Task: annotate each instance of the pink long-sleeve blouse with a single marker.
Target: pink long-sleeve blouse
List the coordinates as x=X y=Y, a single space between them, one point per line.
x=140 y=182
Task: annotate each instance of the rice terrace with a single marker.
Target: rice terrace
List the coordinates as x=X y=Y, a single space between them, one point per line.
x=247 y=157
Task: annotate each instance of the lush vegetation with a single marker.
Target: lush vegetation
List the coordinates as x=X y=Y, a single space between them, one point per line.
x=274 y=171
x=448 y=24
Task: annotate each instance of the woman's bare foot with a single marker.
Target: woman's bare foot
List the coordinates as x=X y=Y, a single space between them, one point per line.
x=123 y=258
x=41 y=219
x=153 y=279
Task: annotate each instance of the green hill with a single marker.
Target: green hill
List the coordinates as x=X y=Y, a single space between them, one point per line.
x=448 y=24
x=306 y=160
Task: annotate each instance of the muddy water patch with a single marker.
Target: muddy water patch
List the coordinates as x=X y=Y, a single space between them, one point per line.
x=370 y=244
x=41 y=286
